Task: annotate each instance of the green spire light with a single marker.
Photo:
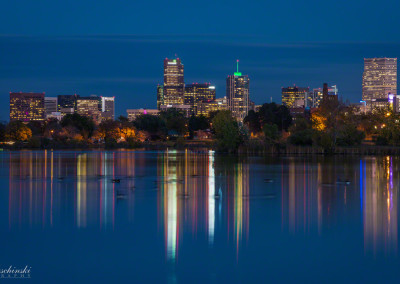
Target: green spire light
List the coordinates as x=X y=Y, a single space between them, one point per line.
x=237 y=73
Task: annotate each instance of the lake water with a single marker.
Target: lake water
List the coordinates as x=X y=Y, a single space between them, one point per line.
x=184 y=217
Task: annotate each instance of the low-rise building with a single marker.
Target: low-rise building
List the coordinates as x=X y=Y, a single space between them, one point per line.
x=132 y=114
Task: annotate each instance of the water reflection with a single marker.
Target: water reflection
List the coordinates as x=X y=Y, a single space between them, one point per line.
x=379 y=203
x=201 y=197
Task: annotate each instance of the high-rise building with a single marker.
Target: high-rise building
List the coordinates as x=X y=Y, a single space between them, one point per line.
x=198 y=93
x=89 y=106
x=316 y=96
x=379 y=79
x=50 y=105
x=67 y=101
x=27 y=107
x=237 y=94
x=160 y=96
x=174 y=85
x=107 y=108
x=294 y=96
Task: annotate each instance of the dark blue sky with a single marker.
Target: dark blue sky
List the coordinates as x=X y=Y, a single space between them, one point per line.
x=116 y=48
x=278 y=21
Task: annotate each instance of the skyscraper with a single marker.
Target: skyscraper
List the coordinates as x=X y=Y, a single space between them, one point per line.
x=379 y=79
x=160 y=96
x=107 y=108
x=27 y=107
x=174 y=85
x=198 y=93
x=237 y=94
x=294 y=96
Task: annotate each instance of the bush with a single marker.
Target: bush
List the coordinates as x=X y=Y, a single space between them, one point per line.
x=302 y=137
x=34 y=142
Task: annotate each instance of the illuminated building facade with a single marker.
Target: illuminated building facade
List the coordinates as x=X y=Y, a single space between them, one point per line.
x=390 y=102
x=67 y=101
x=185 y=109
x=160 y=96
x=50 y=105
x=379 y=79
x=89 y=106
x=132 y=114
x=206 y=107
x=237 y=94
x=316 y=96
x=174 y=85
x=294 y=96
x=27 y=107
x=107 y=108
x=196 y=94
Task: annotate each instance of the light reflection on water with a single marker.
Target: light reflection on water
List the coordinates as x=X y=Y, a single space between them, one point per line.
x=202 y=197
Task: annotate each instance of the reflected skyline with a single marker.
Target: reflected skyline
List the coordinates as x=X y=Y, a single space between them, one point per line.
x=199 y=196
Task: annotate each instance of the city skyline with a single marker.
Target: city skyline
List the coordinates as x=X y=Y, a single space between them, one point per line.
x=132 y=97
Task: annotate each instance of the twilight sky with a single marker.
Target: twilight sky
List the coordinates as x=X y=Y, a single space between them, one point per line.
x=116 y=48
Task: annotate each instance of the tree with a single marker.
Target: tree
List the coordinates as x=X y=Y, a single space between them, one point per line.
x=109 y=129
x=349 y=135
x=252 y=120
x=271 y=113
x=271 y=133
x=226 y=131
x=84 y=124
x=152 y=124
x=175 y=120
x=18 y=131
x=198 y=123
x=2 y=131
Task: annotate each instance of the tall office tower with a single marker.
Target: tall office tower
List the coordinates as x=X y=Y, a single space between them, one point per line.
x=237 y=94
x=379 y=79
x=107 y=108
x=198 y=93
x=27 y=107
x=89 y=106
x=50 y=105
x=67 y=101
x=174 y=85
x=294 y=96
x=160 y=96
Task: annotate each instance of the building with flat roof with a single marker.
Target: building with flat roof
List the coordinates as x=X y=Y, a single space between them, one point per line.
x=379 y=79
x=294 y=96
x=132 y=114
x=90 y=107
x=185 y=109
x=27 y=107
x=50 y=105
x=198 y=93
x=107 y=108
x=67 y=101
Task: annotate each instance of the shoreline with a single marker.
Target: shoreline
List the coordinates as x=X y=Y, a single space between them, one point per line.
x=261 y=150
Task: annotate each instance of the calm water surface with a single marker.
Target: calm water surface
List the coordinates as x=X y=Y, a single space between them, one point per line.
x=183 y=216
